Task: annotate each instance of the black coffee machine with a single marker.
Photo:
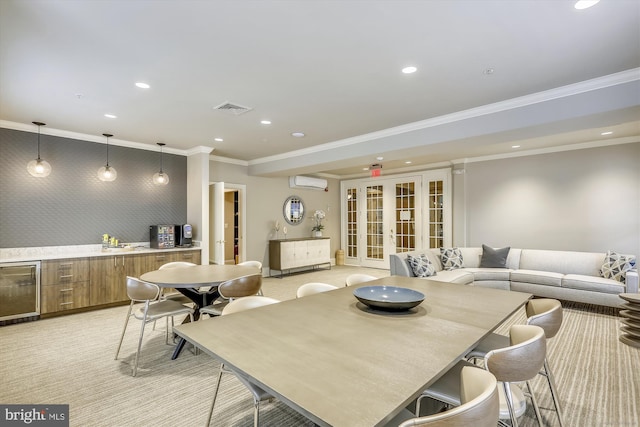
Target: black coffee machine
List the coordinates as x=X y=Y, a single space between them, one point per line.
x=184 y=234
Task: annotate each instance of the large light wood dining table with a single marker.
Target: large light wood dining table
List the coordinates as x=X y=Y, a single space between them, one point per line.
x=188 y=280
x=340 y=363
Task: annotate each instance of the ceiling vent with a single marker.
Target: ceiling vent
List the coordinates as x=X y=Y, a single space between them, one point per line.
x=231 y=108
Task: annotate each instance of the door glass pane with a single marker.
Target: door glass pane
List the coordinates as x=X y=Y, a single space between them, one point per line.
x=405 y=216
x=352 y=223
x=436 y=210
x=375 y=238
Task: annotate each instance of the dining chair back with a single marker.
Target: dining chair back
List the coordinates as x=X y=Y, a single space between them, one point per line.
x=479 y=403
x=258 y=394
x=140 y=291
x=356 y=279
x=519 y=362
x=256 y=264
x=230 y=290
x=313 y=288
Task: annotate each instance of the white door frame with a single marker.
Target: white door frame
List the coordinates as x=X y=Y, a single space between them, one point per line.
x=217 y=220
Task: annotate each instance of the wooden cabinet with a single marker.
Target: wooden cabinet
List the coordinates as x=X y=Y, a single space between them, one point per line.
x=296 y=253
x=109 y=274
x=65 y=284
x=83 y=282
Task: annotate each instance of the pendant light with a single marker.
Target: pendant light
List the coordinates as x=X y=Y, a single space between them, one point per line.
x=160 y=178
x=107 y=173
x=38 y=167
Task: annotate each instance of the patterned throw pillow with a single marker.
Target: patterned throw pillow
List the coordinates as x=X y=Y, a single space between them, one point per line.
x=616 y=266
x=451 y=258
x=421 y=266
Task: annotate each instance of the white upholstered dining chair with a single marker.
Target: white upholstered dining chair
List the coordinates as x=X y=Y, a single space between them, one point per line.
x=313 y=288
x=479 y=403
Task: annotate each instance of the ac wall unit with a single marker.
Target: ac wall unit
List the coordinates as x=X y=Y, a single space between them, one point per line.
x=307 y=182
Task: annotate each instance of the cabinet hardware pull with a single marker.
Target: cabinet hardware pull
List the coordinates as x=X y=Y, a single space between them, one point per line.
x=64 y=264
x=160 y=257
x=66 y=303
x=66 y=276
x=66 y=290
x=187 y=256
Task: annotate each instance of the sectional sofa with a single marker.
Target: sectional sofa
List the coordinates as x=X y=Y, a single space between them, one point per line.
x=565 y=275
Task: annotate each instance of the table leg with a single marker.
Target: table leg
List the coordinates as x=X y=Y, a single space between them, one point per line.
x=199 y=300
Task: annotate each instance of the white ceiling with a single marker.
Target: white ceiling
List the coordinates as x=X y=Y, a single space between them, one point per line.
x=330 y=69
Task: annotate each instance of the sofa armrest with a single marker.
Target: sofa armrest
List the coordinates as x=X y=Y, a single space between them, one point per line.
x=399 y=266
x=632 y=281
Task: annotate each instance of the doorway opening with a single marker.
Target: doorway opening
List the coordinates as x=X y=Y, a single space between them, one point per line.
x=227 y=216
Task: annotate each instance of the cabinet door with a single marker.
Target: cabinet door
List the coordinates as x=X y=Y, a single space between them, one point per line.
x=108 y=280
x=319 y=251
x=287 y=255
x=156 y=260
x=63 y=297
x=188 y=256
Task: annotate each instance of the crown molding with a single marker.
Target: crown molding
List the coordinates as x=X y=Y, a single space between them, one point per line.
x=90 y=138
x=229 y=160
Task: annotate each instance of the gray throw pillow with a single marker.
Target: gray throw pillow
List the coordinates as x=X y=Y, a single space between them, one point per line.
x=421 y=266
x=494 y=258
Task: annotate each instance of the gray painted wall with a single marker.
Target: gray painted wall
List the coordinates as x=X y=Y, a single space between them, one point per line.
x=581 y=200
x=72 y=206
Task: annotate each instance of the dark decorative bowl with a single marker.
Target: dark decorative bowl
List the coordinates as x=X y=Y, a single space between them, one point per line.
x=391 y=298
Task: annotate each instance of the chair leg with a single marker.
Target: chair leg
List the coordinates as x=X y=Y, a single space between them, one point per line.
x=535 y=403
x=126 y=322
x=142 y=325
x=554 y=393
x=256 y=413
x=509 y=397
x=215 y=395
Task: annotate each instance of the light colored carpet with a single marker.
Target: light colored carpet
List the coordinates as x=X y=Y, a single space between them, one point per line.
x=70 y=360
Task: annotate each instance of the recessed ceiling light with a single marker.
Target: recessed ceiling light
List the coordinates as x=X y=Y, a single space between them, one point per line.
x=408 y=162
x=142 y=85
x=365 y=169
x=265 y=122
x=111 y=116
x=585 y=4
x=218 y=139
x=297 y=134
x=409 y=70
x=515 y=146
x=606 y=133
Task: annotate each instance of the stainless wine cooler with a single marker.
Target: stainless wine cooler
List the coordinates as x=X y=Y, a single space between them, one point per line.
x=19 y=291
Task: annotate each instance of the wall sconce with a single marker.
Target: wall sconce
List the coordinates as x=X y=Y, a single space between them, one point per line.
x=107 y=173
x=160 y=178
x=38 y=167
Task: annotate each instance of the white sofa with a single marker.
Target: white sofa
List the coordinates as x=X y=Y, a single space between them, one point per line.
x=571 y=276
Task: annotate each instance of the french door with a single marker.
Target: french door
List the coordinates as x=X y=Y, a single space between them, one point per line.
x=383 y=217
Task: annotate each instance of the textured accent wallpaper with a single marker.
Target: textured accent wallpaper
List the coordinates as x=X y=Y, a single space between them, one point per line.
x=72 y=206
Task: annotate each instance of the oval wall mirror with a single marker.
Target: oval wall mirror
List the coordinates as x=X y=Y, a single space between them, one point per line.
x=293 y=210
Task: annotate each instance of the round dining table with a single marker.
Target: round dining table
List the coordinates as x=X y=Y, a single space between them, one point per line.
x=188 y=281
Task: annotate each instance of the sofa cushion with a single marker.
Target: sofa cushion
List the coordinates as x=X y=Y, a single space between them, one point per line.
x=567 y=262
x=459 y=276
x=451 y=258
x=494 y=258
x=537 y=277
x=480 y=274
x=592 y=283
x=421 y=266
x=615 y=266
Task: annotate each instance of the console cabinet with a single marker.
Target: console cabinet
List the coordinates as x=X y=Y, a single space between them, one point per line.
x=288 y=254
